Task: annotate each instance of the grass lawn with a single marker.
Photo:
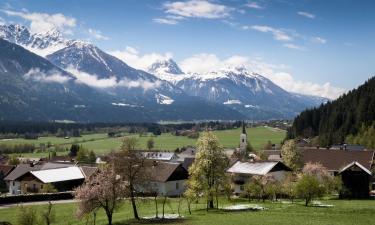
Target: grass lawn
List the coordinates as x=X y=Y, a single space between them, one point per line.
x=100 y=143
x=344 y=212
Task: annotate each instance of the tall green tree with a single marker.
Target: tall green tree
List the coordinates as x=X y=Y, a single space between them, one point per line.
x=207 y=173
x=291 y=155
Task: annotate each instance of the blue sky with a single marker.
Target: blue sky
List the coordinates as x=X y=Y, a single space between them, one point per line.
x=313 y=47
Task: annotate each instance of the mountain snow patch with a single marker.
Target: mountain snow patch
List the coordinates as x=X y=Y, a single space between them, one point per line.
x=251 y=106
x=124 y=104
x=163 y=99
x=233 y=102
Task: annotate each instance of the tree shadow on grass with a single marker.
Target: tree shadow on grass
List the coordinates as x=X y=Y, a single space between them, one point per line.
x=152 y=221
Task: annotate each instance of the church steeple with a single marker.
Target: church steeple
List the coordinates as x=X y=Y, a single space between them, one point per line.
x=243 y=127
x=243 y=139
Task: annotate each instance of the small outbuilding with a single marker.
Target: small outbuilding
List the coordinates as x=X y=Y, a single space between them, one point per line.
x=356 y=181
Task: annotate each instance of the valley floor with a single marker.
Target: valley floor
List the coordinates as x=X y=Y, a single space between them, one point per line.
x=100 y=143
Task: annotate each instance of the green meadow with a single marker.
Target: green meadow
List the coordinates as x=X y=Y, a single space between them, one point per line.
x=343 y=212
x=100 y=143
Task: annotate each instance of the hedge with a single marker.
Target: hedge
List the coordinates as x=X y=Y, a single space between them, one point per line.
x=11 y=199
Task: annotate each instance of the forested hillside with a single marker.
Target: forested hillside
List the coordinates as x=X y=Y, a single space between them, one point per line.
x=336 y=120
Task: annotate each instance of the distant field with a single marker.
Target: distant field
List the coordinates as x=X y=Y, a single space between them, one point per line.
x=343 y=212
x=100 y=143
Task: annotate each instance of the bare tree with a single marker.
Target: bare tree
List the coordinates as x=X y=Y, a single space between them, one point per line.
x=103 y=190
x=129 y=164
x=49 y=215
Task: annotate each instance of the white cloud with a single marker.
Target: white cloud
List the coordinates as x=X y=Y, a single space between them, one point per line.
x=254 y=5
x=165 y=21
x=306 y=14
x=205 y=62
x=294 y=47
x=277 y=34
x=111 y=82
x=97 y=34
x=319 y=40
x=134 y=58
x=197 y=9
x=2 y=21
x=92 y=80
x=43 y=22
x=52 y=76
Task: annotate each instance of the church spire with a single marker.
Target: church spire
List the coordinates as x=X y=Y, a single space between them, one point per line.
x=243 y=127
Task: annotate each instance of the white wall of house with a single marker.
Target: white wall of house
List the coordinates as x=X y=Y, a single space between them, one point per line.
x=169 y=188
x=14 y=187
x=239 y=189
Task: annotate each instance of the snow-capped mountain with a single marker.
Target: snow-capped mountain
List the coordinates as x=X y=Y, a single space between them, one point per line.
x=116 y=76
x=237 y=87
x=40 y=43
x=129 y=85
x=167 y=70
x=164 y=92
x=32 y=88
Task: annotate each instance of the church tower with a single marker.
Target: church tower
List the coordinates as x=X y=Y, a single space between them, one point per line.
x=243 y=139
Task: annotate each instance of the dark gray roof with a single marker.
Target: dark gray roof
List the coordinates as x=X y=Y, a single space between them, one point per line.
x=88 y=170
x=165 y=171
x=22 y=169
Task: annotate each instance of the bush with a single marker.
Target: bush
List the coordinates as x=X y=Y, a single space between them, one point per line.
x=27 y=216
x=308 y=187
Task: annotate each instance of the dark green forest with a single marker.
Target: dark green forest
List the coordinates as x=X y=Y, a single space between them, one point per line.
x=335 y=121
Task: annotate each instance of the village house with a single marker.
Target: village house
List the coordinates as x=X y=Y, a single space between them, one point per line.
x=242 y=172
x=35 y=178
x=160 y=156
x=4 y=171
x=165 y=178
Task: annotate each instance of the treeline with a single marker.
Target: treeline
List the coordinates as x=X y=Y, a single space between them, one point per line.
x=365 y=137
x=18 y=148
x=24 y=129
x=335 y=120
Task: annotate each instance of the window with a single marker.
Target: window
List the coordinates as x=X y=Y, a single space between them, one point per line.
x=41 y=186
x=177 y=185
x=241 y=188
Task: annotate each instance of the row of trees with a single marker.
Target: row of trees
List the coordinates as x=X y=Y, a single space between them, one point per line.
x=365 y=136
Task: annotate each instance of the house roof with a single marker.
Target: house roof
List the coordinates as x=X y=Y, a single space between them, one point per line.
x=165 y=156
x=88 y=170
x=6 y=169
x=165 y=171
x=59 y=174
x=22 y=169
x=334 y=160
x=188 y=161
x=256 y=168
x=357 y=164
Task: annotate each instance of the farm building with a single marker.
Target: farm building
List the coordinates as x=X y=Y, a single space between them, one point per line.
x=355 y=179
x=165 y=178
x=335 y=160
x=35 y=178
x=243 y=171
